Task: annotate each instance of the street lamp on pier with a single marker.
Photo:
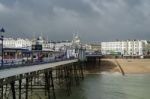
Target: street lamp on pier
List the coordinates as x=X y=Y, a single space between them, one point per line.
x=2 y=38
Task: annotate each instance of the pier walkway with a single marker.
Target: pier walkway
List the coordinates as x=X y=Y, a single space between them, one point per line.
x=27 y=69
x=20 y=82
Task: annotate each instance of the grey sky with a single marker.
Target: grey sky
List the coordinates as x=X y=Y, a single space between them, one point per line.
x=93 y=20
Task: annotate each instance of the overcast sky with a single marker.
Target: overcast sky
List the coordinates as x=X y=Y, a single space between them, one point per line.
x=93 y=20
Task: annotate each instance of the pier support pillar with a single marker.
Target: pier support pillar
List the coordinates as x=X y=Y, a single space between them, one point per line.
x=76 y=74
x=27 y=85
x=47 y=84
x=13 y=89
x=82 y=70
x=31 y=84
x=52 y=83
x=20 y=81
x=2 y=92
x=67 y=80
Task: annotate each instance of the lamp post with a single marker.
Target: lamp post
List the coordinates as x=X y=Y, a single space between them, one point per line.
x=2 y=38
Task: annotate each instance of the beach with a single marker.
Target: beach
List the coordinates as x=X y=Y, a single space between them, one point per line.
x=130 y=66
x=124 y=66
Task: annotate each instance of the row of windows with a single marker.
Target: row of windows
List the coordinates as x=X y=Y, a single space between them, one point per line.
x=17 y=42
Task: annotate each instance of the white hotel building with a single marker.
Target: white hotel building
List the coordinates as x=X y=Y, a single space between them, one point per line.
x=17 y=43
x=27 y=44
x=126 y=48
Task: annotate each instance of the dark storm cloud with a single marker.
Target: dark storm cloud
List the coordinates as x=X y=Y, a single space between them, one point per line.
x=92 y=19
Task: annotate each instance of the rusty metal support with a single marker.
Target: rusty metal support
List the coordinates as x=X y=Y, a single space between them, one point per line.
x=31 y=84
x=2 y=92
x=76 y=74
x=71 y=74
x=68 y=80
x=60 y=75
x=47 y=80
x=45 y=83
x=13 y=89
x=27 y=84
x=20 y=81
x=52 y=83
x=82 y=71
x=5 y=91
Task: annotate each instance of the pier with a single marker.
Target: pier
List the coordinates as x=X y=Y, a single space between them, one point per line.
x=93 y=56
x=21 y=82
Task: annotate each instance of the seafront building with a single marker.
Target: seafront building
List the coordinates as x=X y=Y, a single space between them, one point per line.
x=62 y=45
x=46 y=45
x=17 y=43
x=93 y=47
x=20 y=48
x=125 y=48
x=148 y=48
x=27 y=44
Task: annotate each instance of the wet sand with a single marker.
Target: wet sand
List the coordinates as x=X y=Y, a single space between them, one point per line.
x=106 y=65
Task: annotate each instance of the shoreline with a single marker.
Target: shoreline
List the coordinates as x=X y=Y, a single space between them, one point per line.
x=123 y=66
x=103 y=73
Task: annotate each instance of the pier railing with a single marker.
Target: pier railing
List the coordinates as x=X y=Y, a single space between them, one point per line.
x=19 y=63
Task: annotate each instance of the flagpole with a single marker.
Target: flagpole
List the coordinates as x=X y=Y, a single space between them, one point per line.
x=2 y=38
x=2 y=51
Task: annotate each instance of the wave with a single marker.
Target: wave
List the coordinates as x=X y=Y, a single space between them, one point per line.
x=111 y=73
